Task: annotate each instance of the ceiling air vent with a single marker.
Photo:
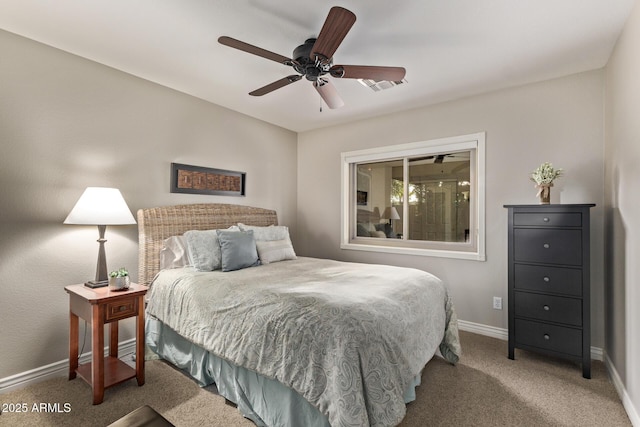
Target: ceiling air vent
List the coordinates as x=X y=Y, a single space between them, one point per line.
x=381 y=85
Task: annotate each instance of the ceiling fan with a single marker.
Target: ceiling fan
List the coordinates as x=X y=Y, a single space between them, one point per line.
x=313 y=60
x=439 y=158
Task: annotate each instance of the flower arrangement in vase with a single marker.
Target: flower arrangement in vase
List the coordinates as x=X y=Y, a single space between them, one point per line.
x=543 y=176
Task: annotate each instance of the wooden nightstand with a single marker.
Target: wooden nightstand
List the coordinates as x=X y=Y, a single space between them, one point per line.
x=99 y=306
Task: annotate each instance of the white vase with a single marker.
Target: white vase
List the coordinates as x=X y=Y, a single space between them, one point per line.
x=119 y=283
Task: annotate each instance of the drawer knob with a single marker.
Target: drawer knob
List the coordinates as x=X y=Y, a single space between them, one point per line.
x=545 y=219
x=547 y=337
x=546 y=246
x=546 y=278
x=546 y=308
x=122 y=308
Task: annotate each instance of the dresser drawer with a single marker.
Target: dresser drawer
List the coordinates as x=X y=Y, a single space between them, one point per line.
x=120 y=309
x=548 y=219
x=550 y=308
x=547 y=246
x=544 y=278
x=549 y=337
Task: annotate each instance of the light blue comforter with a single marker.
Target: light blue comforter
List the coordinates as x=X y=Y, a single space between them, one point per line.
x=348 y=337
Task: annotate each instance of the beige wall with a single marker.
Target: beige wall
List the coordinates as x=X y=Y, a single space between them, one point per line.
x=67 y=123
x=622 y=154
x=560 y=121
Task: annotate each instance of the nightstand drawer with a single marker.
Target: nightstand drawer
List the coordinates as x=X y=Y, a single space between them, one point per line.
x=543 y=278
x=548 y=246
x=120 y=309
x=548 y=219
x=548 y=337
x=549 y=308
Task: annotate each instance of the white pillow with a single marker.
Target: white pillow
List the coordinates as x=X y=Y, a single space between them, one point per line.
x=173 y=253
x=273 y=242
x=272 y=232
x=275 y=250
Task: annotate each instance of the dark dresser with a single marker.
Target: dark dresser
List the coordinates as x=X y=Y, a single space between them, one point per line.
x=549 y=307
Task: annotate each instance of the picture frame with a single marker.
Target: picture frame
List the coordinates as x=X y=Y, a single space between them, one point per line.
x=361 y=198
x=363 y=188
x=204 y=180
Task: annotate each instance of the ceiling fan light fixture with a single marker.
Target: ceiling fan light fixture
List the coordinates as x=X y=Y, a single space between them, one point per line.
x=328 y=93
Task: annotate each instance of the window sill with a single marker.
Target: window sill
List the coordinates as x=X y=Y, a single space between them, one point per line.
x=472 y=256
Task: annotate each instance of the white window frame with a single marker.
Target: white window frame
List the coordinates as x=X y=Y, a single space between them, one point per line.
x=351 y=159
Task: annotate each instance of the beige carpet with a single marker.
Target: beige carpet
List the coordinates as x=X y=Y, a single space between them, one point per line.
x=484 y=389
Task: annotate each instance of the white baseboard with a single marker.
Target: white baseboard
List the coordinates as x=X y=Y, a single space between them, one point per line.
x=480 y=329
x=57 y=369
x=632 y=412
x=503 y=334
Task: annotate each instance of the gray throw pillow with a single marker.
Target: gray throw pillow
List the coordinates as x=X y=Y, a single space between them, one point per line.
x=238 y=249
x=203 y=248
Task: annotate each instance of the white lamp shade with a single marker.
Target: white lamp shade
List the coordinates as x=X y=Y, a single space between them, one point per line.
x=390 y=213
x=100 y=206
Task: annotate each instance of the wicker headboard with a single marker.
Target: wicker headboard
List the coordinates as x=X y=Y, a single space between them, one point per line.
x=157 y=224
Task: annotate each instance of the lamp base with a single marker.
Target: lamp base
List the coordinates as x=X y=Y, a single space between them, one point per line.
x=96 y=284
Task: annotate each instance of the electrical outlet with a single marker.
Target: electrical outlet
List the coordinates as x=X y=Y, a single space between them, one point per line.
x=497 y=303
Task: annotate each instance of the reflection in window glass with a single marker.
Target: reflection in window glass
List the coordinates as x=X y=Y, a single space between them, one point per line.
x=423 y=198
x=375 y=193
x=439 y=197
x=438 y=202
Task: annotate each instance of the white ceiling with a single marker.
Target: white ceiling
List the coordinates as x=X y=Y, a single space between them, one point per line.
x=450 y=48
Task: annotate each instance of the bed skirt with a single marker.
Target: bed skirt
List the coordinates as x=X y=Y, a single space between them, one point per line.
x=263 y=400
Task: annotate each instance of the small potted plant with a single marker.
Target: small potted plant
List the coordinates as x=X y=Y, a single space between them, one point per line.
x=119 y=280
x=543 y=176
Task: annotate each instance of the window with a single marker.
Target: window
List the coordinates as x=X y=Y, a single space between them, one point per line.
x=422 y=198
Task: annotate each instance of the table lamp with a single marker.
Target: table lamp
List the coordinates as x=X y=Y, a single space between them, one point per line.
x=100 y=206
x=390 y=213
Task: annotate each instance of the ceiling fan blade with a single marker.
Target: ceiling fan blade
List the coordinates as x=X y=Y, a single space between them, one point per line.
x=255 y=50
x=335 y=28
x=392 y=74
x=328 y=93
x=276 y=85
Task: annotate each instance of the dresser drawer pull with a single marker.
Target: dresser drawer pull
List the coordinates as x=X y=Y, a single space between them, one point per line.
x=546 y=279
x=546 y=246
x=546 y=308
x=545 y=219
x=547 y=337
x=122 y=308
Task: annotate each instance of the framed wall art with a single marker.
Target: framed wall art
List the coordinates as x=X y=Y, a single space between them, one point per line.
x=202 y=180
x=361 y=198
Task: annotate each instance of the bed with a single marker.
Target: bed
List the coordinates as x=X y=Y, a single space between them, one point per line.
x=295 y=341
